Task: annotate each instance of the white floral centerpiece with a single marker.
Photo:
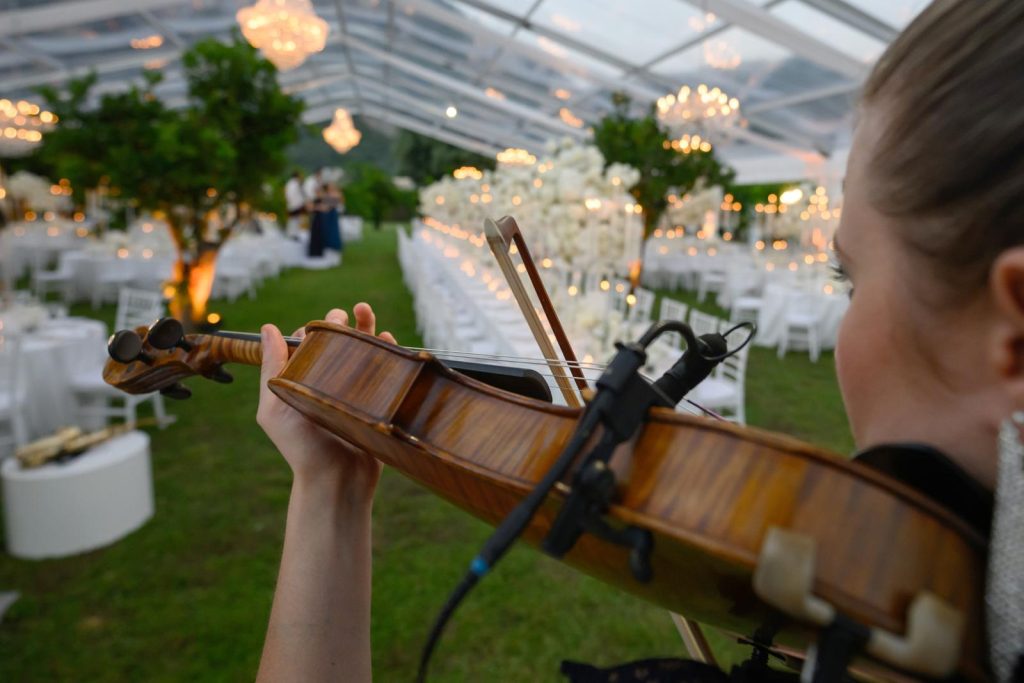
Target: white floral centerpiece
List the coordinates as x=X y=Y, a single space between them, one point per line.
x=591 y=321
x=697 y=209
x=570 y=207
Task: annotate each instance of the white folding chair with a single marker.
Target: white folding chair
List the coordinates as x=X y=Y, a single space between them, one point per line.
x=704 y=323
x=59 y=280
x=673 y=310
x=137 y=307
x=643 y=308
x=232 y=277
x=724 y=391
x=801 y=322
x=712 y=279
x=619 y=290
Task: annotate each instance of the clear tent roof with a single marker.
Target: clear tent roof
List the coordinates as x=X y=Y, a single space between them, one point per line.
x=519 y=71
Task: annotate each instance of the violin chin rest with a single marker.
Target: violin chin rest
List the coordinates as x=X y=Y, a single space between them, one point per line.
x=784 y=578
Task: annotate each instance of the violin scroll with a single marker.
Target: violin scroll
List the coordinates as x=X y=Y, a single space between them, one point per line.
x=159 y=357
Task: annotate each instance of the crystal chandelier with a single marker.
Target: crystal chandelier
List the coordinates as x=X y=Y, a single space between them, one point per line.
x=22 y=125
x=342 y=134
x=718 y=54
x=285 y=31
x=703 y=113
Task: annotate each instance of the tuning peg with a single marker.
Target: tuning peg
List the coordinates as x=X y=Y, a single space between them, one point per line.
x=178 y=391
x=167 y=333
x=219 y=374
x=126 y=346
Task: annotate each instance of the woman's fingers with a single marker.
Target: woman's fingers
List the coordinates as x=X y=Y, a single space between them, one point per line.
x=388 y=337
x=275 y=355
x=366 y=321
x=337 y=316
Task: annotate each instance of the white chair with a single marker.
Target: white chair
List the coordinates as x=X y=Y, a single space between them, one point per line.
x=724 y=391
x=60 y=280
x=800 y=325
x=137 y=307
x=712 y=279
x=643 y=309
x=13 y=430
x=97 y=400
x=232 y=277
x=673 y=310
x=746 y=309
x=404 y=255
x=619 y=291
x=704 y=323
x=112 y=276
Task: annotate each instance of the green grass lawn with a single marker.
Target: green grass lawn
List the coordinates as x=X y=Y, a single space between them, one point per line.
x=187 y=596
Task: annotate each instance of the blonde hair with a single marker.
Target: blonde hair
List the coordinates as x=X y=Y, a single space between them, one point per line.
x=949 y=165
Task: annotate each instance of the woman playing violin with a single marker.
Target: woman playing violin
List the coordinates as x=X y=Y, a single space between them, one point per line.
x=930 y=352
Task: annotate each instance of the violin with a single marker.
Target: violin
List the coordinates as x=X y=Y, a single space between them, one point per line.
x=738 y=528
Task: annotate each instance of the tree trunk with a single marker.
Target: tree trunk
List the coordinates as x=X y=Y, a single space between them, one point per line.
x=192 y=280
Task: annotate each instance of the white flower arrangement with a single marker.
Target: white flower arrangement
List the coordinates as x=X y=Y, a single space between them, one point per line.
x=569 y=206
x=696 y=209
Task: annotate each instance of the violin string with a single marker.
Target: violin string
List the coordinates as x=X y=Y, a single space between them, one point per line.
x=492 y=356
x=521 y=359
x=453 y=353
x=539 y=362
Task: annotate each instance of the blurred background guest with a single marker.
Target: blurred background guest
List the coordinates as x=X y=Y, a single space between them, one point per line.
x=295 y=202
x=334 y=204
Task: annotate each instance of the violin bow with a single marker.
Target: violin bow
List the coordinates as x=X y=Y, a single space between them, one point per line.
x=502 y=235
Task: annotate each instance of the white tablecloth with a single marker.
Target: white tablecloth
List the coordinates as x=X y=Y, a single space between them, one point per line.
x=778 y=300
x=49 y=356
x=24 y=246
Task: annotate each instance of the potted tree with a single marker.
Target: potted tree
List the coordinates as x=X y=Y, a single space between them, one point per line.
x=203 y=168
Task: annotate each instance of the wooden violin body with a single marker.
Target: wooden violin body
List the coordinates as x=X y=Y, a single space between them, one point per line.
x=710 y=492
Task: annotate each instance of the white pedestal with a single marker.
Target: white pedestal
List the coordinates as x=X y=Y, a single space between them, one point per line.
x=89 y=502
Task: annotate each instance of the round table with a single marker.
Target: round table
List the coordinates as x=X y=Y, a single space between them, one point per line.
x=88 y=502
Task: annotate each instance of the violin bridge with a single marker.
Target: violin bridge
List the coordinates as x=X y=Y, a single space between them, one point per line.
x=784 y=579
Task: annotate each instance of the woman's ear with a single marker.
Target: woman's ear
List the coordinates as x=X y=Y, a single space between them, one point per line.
x=1007 y=285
